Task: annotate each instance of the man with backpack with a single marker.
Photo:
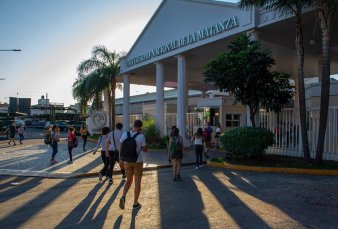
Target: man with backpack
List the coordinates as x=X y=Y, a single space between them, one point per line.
x=133 y=144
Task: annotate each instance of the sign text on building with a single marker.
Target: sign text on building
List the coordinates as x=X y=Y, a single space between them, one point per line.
x=188 y=39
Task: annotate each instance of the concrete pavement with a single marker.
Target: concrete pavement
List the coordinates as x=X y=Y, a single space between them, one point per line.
x=32 y=159
x=205 y=198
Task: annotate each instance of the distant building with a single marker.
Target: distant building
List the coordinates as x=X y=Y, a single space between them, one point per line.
x=21 y=105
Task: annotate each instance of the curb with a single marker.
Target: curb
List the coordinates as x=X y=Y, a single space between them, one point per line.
x=330 y=172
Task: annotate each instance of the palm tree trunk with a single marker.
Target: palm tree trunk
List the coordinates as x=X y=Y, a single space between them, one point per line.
x=325 y=22
x=301 y=88
x=112 y=104
x=109 y=109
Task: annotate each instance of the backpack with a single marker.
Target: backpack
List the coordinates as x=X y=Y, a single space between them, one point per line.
x=175 y=146
x=48 y=139
x=11 y=128
x=206 y=135
x=76 y=141
x=128 y=148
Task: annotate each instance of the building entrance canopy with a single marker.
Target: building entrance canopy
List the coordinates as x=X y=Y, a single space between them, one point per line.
x=184 y=35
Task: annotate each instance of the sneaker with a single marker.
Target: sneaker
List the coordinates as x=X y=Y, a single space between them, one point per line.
x=179 y=176
x=201 y=166
x=122 y=202
x=136 y=206
x=174 y=179
x=110 y=181
x=70 y=162
x=196 y=167
x=100 y=176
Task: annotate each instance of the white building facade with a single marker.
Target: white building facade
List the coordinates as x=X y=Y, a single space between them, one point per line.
x=183 y=35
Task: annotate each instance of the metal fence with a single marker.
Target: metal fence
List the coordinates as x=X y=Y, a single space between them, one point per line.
x=193 y=121
x=286 y=127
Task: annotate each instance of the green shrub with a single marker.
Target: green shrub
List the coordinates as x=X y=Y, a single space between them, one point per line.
x=151 y=130
x=246 y=142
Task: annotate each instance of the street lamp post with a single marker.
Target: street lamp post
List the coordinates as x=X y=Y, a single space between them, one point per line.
x=10 y=50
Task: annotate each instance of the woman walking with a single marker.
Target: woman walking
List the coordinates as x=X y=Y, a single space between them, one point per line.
x=55 y=135
x=198 y=142
x=71 y=143
x=176 y=153
x=104 y=155
x=84 y=135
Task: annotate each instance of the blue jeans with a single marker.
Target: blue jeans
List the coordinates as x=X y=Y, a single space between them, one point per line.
x=55 y=148
x=21 y=137
x=199 y=153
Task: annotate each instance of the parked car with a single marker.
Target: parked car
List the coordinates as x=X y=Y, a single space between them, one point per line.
x=62 y=125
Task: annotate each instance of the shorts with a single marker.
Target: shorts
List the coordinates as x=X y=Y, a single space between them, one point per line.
x=133 y=168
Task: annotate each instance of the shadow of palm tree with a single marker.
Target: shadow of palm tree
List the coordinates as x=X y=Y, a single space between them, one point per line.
x=34 y=205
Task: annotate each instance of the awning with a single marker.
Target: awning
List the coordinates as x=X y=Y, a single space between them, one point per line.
x=210 y=102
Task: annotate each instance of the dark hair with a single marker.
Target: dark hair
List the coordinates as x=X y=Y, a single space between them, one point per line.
x=199 y=132
x=105 y=130
x=71 y=128
x=54 y=126
x=119 y=126
x=175 y=132
x=138 y=123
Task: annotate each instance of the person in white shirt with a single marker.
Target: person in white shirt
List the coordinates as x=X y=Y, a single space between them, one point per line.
x=113 y=146
x=104 y=155
x=198 y=142
x=21 y=132
x=134 y=169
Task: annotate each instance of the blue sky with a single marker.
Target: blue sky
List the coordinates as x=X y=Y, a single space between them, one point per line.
x=56 y=35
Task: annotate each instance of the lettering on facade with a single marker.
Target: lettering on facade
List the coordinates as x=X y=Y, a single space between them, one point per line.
x=202 y=34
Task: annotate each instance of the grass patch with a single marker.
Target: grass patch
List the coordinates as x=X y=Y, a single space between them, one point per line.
x=279 y=161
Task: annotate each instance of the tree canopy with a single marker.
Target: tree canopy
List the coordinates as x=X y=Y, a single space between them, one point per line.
x=244 y=71
x=96 y=75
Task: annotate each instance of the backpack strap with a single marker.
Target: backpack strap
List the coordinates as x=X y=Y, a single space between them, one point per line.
x=114 y=139
x=134 y=137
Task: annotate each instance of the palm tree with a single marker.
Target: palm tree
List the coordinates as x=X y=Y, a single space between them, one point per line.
x=296 y=7
x=326 y=10
x=96 y=75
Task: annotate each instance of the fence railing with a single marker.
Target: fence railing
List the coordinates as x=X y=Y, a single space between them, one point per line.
x=286 y=127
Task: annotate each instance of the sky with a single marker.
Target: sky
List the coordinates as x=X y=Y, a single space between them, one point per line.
x=56 y=35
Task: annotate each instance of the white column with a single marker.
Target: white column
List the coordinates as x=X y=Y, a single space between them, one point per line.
x=126 y=101
x=181 y=97
x=160 y=97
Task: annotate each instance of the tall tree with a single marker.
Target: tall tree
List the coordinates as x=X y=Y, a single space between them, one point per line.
x=326 y=10
x=96 y=75
x=294 y=6
x=244 y=71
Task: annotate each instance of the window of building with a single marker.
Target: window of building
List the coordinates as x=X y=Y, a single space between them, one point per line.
x=232 y=120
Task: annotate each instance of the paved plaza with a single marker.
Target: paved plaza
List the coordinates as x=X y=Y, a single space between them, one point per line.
x=205 y=198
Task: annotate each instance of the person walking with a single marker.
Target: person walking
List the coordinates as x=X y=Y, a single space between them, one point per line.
x=176 y=153
x=84 y=135
x=113 y=146
x=71 y=143
x=104 y=155
x=21 y=132
x=207 y=138
x=134 y=170
x=198 y=143
x=12 y=130
x=217 y=135
x=55 y=135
